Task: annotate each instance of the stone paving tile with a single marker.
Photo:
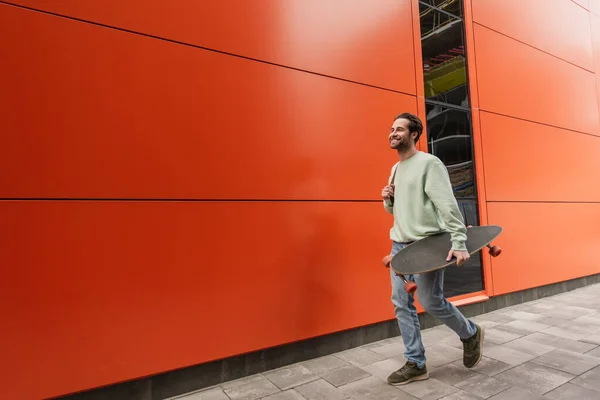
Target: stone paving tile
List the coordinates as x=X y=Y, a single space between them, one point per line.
x=560 y=343
x=382 y=369
x=594 y=353
x=528 y=347
x=507 y=355
x=397 y=339
x=390 y=350
x=484 y=323
x=252 y=390
x=345 y=375
x=569 y=391
x=433 y=336
x=359 y=356
x=241 y=381
x=592 y=319
x=555 y=321
x=583 y=328
x=483 y=386
x=210 y=394
x=440 y=335
x=487 y=366
x=289 y=377
x=593 y=339
x=323 y=364
x=524 y=327
x=563 y=332
x=516 y=393
x=568 y=361
x=522 y=315
x=566 y=312
x=494 y=317
x=321 y=390
x=452 y=374
x=500 y=336
x=589 y=380
x=372 y=388
x=570 y=331
x=460 y=395
x=535 y=378
x=442 y=354
x=287 y=395
x=430 y=389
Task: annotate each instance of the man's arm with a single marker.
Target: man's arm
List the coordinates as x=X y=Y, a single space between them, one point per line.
x=439 y=190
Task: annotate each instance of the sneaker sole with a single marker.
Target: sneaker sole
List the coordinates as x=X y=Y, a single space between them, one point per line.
x=480 y=348
x=413 y=379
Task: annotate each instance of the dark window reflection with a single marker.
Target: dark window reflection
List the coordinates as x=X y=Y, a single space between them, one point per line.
x=449 y=139
x=449 y=6
x=444 y=57
x=467 y=278
x=448 y=121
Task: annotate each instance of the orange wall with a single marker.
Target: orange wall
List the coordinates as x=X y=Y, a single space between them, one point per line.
x=138 y=172
x=537 y=81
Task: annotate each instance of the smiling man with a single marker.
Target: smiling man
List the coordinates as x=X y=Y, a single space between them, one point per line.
x=420 y=197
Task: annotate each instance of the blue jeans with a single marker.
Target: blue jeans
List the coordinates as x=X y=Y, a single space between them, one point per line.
x=431 y=296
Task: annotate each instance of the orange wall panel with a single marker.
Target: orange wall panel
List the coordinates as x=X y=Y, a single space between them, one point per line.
x=595 y=6
x=544 y=243
x=583 y=3
x=111 y=114
x=99 y=292
x=369 y=42
x=525 y=161
x=517 y=80
x=595 y=25
x=562 y=29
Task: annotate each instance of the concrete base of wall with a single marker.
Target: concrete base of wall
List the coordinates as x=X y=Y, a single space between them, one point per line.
x=189 y=379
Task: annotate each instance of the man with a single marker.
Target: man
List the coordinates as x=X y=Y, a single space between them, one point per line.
x=420 y=197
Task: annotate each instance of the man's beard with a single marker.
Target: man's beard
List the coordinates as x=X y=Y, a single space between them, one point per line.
x=402 y=145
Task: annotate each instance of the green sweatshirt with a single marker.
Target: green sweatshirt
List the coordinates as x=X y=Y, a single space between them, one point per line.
x=423 y=202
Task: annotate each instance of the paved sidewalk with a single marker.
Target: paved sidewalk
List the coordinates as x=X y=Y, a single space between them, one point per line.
x=544 y=349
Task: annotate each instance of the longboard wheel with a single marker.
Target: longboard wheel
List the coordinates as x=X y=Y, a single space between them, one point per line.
x=387 y=260
x=495 y=251
x=410 y=287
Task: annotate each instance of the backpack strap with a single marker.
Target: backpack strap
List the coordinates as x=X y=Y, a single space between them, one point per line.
x=394 y=174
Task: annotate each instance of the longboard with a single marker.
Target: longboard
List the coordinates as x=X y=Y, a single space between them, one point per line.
x=429 y=254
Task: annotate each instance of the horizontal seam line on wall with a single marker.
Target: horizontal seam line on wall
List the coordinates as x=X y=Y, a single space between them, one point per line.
x=544 y=201
x=533 y=47
x=536 y=122
x=174 y=200
x=147 y=35
x=579 y=5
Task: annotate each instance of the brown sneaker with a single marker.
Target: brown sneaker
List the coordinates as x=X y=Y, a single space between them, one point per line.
x=472 y=348
x=408 y=373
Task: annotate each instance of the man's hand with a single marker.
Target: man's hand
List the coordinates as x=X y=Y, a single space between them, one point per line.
x=387 y=192
x=461 y=256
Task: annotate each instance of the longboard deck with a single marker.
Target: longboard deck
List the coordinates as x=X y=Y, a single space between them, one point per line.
x=430 y=253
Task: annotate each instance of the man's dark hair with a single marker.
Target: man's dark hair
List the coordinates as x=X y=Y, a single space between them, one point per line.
x=414 y=124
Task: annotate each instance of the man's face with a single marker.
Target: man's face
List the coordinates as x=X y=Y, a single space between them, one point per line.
x=400 y=138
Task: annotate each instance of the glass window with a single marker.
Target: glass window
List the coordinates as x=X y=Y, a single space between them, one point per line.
x=444 y=57
x=449 y=139
x=450 y=6
x=448 y=121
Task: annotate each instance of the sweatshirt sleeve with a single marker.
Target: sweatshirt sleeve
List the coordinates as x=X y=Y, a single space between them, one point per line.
x=439 y=190
x=389 y=204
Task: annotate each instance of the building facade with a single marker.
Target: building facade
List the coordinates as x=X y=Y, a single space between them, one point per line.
x=191 y=190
